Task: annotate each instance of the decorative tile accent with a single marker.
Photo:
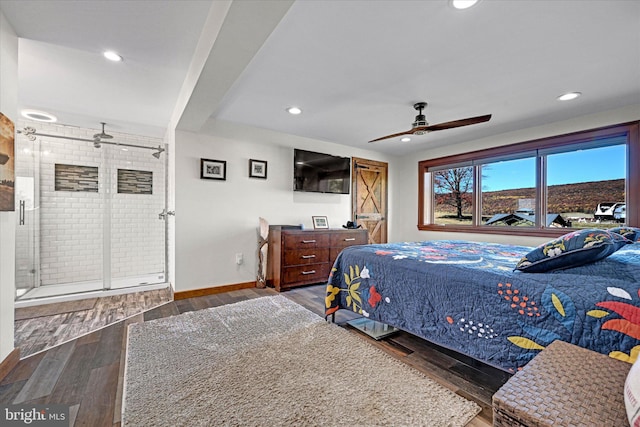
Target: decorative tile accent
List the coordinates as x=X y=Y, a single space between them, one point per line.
x=76 y=178
x=135 y=182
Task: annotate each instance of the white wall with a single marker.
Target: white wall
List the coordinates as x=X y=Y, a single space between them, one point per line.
x=9 y=107
x=405 y=180
x=215 y=220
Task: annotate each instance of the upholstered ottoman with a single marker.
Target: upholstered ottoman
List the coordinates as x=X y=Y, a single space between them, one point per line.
x=564 y=385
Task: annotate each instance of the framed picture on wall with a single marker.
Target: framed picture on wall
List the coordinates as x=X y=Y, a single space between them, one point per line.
x=257 y=169
x=320 y=222
x=7 y=165
x=213 y=169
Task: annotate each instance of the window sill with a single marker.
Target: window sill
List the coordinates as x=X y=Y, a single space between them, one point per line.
x=510 y=231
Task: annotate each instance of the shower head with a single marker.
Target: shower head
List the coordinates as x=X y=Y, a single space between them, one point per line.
x=102 y=135
x=157 y=153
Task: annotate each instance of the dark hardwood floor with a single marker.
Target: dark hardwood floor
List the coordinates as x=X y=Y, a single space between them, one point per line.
x=40 y=327
x=88 y=373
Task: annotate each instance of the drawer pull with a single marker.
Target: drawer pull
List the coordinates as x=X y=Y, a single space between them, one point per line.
x=308 y=256
x=350 y=239
x=309 y=272
x=308 y=241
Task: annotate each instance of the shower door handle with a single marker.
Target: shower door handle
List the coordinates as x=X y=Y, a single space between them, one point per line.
x=165 y=214
x=21 y=213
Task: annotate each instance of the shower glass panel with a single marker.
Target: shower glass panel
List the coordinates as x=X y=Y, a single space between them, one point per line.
x=27 y=273
x=137 y=226
x=59 y=245
x=88 y=214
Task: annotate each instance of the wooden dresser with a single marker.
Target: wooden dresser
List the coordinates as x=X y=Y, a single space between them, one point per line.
x=301 y=257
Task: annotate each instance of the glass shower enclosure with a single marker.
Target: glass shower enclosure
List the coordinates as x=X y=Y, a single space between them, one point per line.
x=92 y=216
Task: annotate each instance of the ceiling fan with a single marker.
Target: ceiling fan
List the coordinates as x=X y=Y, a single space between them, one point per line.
x=420 y=125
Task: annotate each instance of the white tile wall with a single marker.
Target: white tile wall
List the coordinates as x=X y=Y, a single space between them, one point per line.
x=68 y=227
x=137 y=234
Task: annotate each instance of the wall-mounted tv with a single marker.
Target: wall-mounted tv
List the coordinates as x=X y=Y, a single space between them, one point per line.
x=321 y=173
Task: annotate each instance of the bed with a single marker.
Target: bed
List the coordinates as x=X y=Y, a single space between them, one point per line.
x=466 y=296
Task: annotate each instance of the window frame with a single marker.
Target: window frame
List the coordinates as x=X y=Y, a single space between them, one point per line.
x=630 y=129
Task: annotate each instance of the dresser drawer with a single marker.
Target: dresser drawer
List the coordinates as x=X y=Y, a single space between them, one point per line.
x=305 y=240
x=312 y=273
x=306 y=256
x=342 y=240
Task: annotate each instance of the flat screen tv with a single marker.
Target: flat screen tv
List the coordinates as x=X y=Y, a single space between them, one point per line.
x=321 y=173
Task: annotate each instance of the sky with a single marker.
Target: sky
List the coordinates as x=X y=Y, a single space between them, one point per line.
x=596 y=164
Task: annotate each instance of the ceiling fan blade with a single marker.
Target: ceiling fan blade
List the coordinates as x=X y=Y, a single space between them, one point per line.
x=409 y=132
x=457 y=123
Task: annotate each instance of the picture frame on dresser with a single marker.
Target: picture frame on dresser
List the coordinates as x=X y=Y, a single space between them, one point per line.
x=213 y=169
x=320 y=222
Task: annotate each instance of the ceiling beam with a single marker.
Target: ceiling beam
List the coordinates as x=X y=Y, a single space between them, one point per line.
x=246 y=27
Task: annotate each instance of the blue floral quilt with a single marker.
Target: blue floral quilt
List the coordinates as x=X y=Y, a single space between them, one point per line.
x=465 y=296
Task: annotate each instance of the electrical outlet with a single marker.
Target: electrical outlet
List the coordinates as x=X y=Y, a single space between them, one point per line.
x=239 y=258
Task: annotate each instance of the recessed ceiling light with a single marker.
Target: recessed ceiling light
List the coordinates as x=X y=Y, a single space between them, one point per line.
x=112 y=56
x=405 y=139
x=569 y=96
x=463 y=4
x=39 y=116
x=294 y=110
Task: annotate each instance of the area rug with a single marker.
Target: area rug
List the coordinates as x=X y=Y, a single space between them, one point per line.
x=271 y=362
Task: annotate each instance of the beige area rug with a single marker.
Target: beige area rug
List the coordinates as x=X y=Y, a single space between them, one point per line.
x=271 y=362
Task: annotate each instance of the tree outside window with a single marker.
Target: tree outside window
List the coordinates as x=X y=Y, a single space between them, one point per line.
x=453 y=194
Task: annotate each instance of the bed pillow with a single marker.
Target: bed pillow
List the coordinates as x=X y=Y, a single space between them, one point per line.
x=632 y=394
x=571 y=250
x=631 y=233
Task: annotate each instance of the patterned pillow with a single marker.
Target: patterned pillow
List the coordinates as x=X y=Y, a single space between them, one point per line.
x=631 y=233
x=571 y=250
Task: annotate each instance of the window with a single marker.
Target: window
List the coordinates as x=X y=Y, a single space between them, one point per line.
x=508 y=192
x=587 y=179
x=453 y=195
x=588 y=187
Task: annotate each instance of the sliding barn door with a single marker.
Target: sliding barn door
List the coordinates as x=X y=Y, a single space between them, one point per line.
x=369 y=198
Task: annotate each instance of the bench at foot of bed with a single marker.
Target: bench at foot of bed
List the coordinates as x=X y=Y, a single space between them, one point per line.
x=564 y=385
